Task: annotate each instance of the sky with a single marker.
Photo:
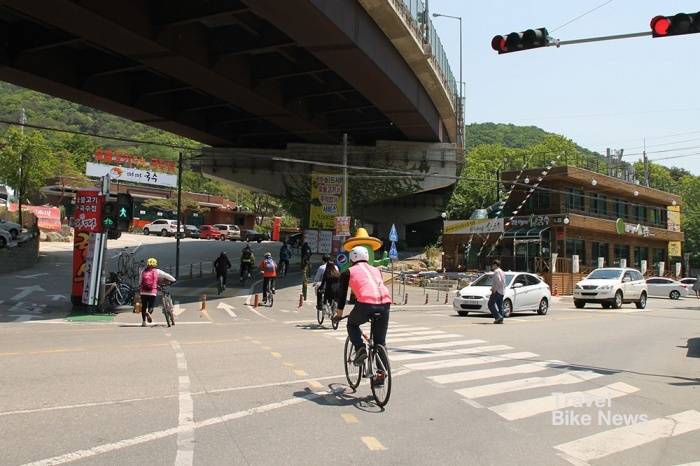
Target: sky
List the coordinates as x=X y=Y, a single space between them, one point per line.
x=605 y=94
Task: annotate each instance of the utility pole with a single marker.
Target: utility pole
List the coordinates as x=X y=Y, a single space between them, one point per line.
x=646 y=164
x=345 y=174
x=179 y=215
x=20 y=185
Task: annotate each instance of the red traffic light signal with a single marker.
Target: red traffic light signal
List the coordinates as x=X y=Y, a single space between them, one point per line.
x=680 y=24
x=517 y=41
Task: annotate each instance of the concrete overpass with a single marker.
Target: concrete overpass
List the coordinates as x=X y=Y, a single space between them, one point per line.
x=254 y=74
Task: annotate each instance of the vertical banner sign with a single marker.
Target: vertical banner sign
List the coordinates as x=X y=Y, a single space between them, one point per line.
x=342 y=226
x=88 y=211
x=326 y=201
x=80 y=249
x=89 y=258
x=674 y=218
x=276 y=224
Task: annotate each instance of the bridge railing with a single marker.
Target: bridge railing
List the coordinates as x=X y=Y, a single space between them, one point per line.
x=416 y=14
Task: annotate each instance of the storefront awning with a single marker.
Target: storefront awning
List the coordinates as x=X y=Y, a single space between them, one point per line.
x=525 y=233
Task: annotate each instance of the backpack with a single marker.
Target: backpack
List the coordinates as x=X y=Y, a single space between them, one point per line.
x=269 y=265
x=149 y=280
x=245 y=257
x=332 y=272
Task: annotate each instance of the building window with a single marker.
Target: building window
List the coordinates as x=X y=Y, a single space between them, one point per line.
x=599 y=204
x=622 y=251
x=659 y=255
x=539 y=200
x=576 y=247
x=640 y=213
x=574 y=199
x=599 y=250
x=640 y=254
x=620 y=208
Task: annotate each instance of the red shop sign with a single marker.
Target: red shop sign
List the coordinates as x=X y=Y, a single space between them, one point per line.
x=88 y=211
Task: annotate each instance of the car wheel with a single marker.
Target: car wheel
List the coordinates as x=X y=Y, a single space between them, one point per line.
x=259 y=241
x=507 y=308
x=463 y=313
x=605 y=305
x=13 y=234
x=642 y=303
x=617 y=303
x=579 y=304
x=3 y=242
x=146 y=232
x=544 y=307
x=674 y=294
x=164 y=232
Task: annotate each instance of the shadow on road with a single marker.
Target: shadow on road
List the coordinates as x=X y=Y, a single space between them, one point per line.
x=341 y=396
x=693 y=347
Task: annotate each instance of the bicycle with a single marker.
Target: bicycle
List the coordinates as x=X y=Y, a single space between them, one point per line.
x=126 y=264
x=283 y=268
x=245 y=273
x=269 y=295
x=167 y=304
x=117 y=292
x=220 y=286
x=327 y=309
x=376 y=367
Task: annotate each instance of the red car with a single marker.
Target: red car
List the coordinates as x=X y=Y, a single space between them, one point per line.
x=211 y=232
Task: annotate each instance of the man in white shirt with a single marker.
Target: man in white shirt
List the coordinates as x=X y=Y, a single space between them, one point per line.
x=498 y=285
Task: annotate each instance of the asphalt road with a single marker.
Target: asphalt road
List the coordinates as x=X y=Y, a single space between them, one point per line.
x=265 y=386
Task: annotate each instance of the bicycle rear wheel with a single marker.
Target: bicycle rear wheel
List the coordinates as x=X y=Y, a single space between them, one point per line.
x=334 y=321
x=123 y=295
x=320 y=314
x=353 y=373
x=380 y=381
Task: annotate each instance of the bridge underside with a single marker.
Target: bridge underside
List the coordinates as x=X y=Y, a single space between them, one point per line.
x=243 y=73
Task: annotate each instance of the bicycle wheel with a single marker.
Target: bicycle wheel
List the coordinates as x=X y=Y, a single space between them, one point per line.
x=123 y=295
x=220 y=285
x=320 y=314
x=353 y=373
x=380 y=381
x=334 y=321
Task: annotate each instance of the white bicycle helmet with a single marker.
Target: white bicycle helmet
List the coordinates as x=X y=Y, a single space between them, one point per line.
x=359 y=254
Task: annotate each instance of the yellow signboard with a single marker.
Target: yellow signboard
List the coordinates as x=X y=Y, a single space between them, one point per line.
x=674 y=218
x=674 y=249
x=326 y=201
x=473 y=226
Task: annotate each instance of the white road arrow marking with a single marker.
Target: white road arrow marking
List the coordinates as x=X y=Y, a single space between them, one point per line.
x=32 y=276
x=26 y=291
x=58 y=297
x=228 y=308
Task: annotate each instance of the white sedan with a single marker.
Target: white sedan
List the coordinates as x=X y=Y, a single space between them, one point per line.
x=524 y=292
x=667 y=288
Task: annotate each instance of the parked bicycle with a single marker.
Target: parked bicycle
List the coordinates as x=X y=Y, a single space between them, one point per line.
x=117 y=292
x=376 y=367
x=167 y=304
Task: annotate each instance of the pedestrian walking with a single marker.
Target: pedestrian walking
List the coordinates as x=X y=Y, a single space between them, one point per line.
x=696 y=286
x=148 y=288
x=498 y=285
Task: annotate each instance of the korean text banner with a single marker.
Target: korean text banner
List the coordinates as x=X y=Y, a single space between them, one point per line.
x=133 y=175
x=326 y=201
x=477 y=227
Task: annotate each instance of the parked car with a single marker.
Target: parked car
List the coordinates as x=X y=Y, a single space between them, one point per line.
x=14 y=229
x=611 y=287
x=162 y=227
x=191 y=231
x=667 y=288
x=5 y=238
x=523 y=292
x=211 y=232
x=252 y=235
x=232 y=232
x=688 y=281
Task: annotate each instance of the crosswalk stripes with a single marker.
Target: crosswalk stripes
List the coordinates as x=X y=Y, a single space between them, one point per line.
x=452 y=352
x=495 y=372
x=619 y=439
x=470 y=361
x=567 y=378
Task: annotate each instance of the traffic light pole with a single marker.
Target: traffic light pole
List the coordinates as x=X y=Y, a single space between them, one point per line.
x=558 y=43
x=179 y=216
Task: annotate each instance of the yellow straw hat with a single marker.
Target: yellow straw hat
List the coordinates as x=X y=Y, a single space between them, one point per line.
x=362 y=238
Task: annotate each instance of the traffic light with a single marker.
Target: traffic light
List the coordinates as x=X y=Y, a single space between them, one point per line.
x=125 y=211
x=109 y=216
x=517 y=41
x=678 y=25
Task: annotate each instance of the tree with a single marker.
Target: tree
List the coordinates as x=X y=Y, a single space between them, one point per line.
x=689 y=189
x=29 y=154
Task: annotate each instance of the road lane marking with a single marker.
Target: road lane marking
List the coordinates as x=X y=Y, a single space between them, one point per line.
x=268 y=348
x=567 y=378
x=373 y=444
x=427 y=338
x=255 y=311
x=443 y=344
x=185 y=422
x=472 y=361
x=527 y=408
x=394 y=329
x=349 y=418
x=300 y=372
x=47 y=351
x=453 y=352
x=612 y=441
x=496 y=372
x=315 y=384
x=275 y=354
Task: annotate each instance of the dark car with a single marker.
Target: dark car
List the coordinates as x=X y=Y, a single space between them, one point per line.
x=191 y=231
x=252 y=235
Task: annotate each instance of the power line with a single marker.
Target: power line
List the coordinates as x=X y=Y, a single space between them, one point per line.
x=581 y=15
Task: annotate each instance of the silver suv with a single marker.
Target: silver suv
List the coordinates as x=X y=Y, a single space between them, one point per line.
x=163 y=227
x=232 y=232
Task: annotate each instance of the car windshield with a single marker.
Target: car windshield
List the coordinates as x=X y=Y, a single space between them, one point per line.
x=487 y=280
x=605 y=274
